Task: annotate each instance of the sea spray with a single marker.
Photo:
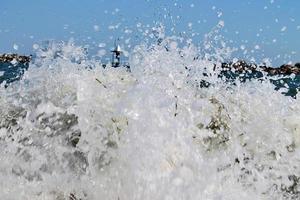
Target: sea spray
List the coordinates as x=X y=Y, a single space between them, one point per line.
x=153 y=133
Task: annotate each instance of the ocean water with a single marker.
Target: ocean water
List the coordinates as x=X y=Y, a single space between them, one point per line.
x=152 y=133
x=11 y=72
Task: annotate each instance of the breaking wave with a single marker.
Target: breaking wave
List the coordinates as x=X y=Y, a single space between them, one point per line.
x=152 y=133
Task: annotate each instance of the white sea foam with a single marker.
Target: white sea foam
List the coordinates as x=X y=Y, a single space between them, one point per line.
x=149 y=134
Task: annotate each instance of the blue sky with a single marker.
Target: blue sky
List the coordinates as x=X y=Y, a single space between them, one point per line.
x=257 y=28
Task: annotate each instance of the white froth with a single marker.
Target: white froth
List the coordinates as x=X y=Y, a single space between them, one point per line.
x=149 y=134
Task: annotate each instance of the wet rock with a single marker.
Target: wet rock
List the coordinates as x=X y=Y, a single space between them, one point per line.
x=73 y=197
x=240 y=70
x=283 y=70
x=74 y=138
x=243 y=71
x=76 y=196
x=15 y=57
x=242 y=66
x=292 y=191
x=218 y=126
x=239 y=66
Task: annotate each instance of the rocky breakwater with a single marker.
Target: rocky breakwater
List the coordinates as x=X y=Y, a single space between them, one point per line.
x=242 y=66
x=284 y=77
x=9 y=58
x=283 y=70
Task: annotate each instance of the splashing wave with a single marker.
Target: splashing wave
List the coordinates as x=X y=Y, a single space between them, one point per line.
x=149 y=134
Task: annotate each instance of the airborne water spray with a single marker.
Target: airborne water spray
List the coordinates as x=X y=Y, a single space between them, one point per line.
x=153 y=133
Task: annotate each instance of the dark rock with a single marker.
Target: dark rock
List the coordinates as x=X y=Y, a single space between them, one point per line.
x=240 y=70
x=242 y=66
x=293 y=190
x=243 y=71
x=73 y=197
x=18 y=58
